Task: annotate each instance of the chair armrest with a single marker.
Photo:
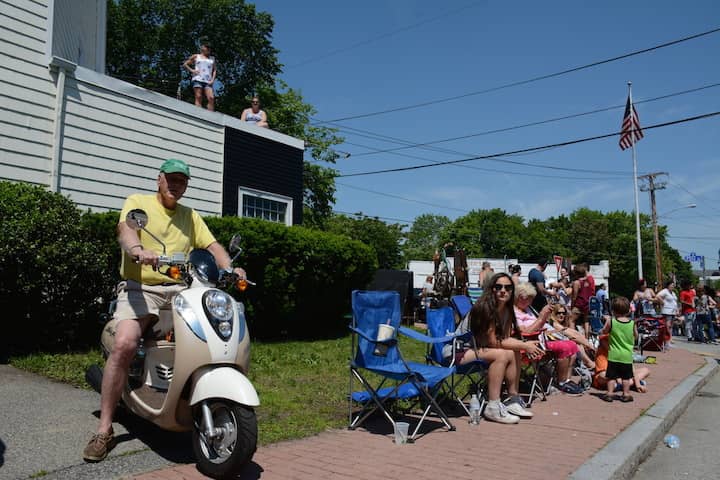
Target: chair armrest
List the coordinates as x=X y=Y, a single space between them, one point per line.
x=409 y=332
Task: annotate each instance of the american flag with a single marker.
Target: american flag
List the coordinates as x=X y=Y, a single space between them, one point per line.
x=631 y=131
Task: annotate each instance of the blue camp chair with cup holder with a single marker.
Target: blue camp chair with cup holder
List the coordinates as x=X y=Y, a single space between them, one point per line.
x=381 y=370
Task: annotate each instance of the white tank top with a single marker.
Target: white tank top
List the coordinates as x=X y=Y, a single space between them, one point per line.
x=204 y=66
x=253 y=117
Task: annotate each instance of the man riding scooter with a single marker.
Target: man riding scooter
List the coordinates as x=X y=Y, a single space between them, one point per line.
x=144 y=290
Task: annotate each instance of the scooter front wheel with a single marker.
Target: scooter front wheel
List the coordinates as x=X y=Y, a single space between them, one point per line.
x=225 y=454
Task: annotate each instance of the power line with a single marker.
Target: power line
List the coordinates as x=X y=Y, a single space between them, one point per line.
x=525 y=174
x=402 y=198
x=525 y=82
x=536 y=123
x=530 y=149
x=361 y=43
x=364 y=215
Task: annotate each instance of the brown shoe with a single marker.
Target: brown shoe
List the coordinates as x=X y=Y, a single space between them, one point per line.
x=99 y=446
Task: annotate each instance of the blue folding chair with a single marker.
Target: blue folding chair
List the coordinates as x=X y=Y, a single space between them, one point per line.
x=595 y=319
x=441 y=326
x=398 y=379
x=462 y=305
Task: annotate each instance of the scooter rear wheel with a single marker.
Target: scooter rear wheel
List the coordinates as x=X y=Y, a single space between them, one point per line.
x=224 y=456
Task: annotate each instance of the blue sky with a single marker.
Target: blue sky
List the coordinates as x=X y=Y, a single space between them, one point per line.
x=354 y=58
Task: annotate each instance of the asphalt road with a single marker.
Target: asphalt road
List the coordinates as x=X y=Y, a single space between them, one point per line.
x=44 y=426
x=698 y=430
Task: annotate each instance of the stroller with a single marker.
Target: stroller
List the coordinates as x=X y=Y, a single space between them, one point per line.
x=652 y=333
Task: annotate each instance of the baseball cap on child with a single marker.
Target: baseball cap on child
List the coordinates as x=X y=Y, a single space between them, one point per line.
x=173 y=165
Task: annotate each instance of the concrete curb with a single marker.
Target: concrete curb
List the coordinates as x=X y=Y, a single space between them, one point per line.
x=619 y=459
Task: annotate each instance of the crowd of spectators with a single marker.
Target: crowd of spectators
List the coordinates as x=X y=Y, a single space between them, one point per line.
x=514 y=320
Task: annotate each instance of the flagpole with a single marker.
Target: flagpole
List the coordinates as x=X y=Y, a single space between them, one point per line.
x=635 y=183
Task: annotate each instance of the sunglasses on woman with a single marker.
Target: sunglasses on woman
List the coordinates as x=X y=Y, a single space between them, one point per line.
x=498 y=287
x=562 y=313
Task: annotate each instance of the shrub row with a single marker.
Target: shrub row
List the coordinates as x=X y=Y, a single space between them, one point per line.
x=59 y=266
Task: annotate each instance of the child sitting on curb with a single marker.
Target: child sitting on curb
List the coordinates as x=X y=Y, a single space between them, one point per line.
x=623 y=334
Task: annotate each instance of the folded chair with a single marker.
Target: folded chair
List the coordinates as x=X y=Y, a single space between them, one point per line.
x=447 y=340
x=652 y=334
x=462 y=305
x=595 y=320
x=380 y=367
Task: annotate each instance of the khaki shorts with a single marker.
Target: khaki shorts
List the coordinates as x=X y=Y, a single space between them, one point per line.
x=135 y=300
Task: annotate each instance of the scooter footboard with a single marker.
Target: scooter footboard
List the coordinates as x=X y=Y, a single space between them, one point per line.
x=223 y=382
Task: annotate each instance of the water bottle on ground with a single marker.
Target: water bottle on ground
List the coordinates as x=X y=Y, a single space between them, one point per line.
x=137 y=366
x=474 y=409
x=672 y=441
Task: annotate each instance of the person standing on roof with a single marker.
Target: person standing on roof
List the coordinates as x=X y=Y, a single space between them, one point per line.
x=204 y=71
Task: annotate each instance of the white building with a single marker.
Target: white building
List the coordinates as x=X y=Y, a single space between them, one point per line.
x=67 y=126
x=422 y=268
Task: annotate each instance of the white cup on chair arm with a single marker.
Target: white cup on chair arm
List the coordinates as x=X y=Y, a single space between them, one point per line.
x=385 y=332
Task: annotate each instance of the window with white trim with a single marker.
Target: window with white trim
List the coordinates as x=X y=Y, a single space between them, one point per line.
x=268 y=206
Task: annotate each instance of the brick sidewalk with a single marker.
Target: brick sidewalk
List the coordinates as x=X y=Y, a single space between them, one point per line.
x=576 y=426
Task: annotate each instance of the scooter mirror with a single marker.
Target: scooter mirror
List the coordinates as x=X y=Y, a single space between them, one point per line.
x=235 y=243
x=136 y=219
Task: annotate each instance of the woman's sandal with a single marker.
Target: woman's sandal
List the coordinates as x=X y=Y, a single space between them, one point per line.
x=626 y=398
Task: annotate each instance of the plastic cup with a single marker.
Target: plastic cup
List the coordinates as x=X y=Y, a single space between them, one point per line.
x=401 y=432
x=385 y=332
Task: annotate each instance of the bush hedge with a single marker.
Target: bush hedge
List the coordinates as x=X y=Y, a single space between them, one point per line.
x=58 y=268
x=49 y=271
x=304 y=276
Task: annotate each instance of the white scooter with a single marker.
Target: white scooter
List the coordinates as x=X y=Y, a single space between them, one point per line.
x=194 y=375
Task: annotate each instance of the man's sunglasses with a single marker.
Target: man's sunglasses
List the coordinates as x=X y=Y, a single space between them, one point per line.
x=498 y=287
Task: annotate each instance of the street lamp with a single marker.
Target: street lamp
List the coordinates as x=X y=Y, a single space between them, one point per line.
x=656 y=238
x=690 y=205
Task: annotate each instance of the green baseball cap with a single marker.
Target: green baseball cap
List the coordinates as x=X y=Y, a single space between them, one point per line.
x=173 y=165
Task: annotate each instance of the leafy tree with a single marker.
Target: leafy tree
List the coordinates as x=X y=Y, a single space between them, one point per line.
x=425 y=236
x=289 y=114
x=148 y=40
x=488 y=233
x=384 y=238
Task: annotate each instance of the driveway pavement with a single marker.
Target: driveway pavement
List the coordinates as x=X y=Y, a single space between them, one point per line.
x=44 y=426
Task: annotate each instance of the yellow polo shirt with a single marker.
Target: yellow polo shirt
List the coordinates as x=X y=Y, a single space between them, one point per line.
x=181 y=230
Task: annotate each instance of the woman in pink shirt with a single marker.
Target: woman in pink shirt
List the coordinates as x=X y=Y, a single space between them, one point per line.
x=565 y=350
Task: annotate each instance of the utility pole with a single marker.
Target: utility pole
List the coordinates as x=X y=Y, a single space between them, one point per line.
x=651 y=186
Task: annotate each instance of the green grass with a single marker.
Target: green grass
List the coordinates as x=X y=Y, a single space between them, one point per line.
x=302 y=385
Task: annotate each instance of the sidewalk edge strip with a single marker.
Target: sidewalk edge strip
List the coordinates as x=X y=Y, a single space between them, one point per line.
x=621 y=456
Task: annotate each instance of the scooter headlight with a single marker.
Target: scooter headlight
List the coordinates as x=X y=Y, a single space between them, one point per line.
x=220 y=310
x=183 y=307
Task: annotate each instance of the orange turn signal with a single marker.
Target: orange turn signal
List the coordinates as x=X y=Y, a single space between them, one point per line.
x=241 y=285
x=174 y=272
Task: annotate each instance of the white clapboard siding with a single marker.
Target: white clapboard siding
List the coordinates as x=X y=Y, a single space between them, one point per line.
x=23 y=160
x=129 y=107
x=28 y=93
x=98 y=120
x=21 y=34
x=36 y=7
x=21 y=13
x=81 y=165
x=22 y=174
